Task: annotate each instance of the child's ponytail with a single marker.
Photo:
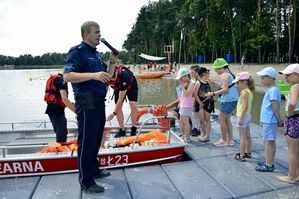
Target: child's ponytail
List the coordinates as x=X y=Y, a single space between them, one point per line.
x=226 y=67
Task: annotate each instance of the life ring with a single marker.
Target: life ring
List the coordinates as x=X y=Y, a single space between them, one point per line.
x=159 y=111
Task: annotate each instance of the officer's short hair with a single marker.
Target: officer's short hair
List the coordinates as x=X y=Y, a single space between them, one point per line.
x=86 y=27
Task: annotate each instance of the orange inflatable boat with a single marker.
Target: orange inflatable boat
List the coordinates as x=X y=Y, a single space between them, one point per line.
x=152 y=75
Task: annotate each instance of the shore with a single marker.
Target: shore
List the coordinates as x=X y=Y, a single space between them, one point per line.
x=251 y=68
x=236 y=68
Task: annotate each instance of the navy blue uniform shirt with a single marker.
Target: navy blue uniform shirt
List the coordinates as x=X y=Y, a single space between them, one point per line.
x=84 y=58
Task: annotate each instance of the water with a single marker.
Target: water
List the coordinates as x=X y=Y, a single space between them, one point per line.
x=23 y=92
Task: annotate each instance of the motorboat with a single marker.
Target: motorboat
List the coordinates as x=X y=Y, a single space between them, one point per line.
x=23 y=154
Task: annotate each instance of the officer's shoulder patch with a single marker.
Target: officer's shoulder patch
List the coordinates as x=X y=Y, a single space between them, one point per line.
x=79 y=47
x=76 y=48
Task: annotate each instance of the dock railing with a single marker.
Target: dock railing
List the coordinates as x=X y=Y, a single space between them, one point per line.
x=30 y=125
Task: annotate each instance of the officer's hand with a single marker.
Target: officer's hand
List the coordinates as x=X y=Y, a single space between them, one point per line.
x=102 y=76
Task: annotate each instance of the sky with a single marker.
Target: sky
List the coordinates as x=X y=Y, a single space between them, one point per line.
x=37 y=27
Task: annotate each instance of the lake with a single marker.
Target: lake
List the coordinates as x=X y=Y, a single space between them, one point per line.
x=23 y=92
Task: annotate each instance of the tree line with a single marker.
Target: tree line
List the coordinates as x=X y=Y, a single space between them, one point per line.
x=48 y=59
x=262 y=30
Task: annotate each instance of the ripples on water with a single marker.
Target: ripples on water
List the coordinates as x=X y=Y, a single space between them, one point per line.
x=22 y=99
x=23 y=92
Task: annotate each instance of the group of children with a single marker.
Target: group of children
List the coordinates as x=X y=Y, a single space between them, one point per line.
x=197 y=102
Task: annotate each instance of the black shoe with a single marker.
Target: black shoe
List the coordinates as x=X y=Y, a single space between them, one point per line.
x=198 y=132
x=120 y=133
x=94 y=189
x=103 y=174
x=195 y=132
x=133 y=131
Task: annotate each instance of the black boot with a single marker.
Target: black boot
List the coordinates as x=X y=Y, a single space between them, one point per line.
x=120 y=133
x=133 y=131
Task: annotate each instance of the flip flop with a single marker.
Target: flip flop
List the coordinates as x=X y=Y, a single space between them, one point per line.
x=220 y=143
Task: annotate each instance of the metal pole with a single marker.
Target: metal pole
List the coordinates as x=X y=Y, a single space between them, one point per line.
x=180 y=53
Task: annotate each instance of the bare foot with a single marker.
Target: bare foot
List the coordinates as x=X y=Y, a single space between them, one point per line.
x=286 y=179
x=297 y=179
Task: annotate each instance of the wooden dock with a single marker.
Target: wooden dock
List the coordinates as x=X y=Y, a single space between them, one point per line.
x=212 y=173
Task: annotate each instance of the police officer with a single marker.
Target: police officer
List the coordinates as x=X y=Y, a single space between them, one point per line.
x=89 y=76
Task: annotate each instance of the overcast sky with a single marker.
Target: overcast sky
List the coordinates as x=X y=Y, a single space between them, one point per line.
x=39 y=26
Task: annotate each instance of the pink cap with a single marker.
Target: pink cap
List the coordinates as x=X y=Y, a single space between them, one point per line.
x=293 y=68
x=242 y=76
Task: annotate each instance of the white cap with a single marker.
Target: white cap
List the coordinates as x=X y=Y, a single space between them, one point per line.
x=182 y=72
x=293 y=68
x=269 y=71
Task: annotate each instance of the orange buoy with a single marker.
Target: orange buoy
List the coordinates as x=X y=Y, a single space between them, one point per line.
x=159 y=111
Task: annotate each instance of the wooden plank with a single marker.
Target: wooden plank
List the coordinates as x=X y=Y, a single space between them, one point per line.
x=150 y=182
x=237 y=180
x=208 y=151
x=267 y=177
x=281 y=156
x=193 y=182
x=291 y=193
x=18 y=187
x=58 y=186
x=115 y=187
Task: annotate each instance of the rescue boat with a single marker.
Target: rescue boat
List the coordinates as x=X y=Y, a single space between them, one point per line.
x=152 y=75
x=151 y=145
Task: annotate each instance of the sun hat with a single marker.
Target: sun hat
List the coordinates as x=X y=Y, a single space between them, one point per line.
x=202 y=70
x=293 y=68
x=242 y=76
x=182 y=72
x=219 y=63
x=268 y=71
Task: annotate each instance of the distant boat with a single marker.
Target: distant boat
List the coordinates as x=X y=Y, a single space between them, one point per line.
x=152 y=75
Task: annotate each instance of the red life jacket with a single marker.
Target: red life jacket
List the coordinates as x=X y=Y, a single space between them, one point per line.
x=116 y=84
x=52 y=95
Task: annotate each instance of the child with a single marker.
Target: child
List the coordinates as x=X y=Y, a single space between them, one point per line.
x=195 y=114
x=206 y=103
x=246 y=86
x=228 y=101
x=269 y=118
x=186 y=101
x=291 y=124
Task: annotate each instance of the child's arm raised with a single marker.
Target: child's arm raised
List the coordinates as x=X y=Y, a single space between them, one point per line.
x=224 y=89
x=188 y=87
